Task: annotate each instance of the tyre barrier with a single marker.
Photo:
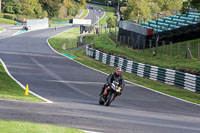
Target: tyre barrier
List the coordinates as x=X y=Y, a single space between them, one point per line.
x=172 y=77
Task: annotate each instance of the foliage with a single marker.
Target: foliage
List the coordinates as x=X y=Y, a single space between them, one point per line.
x=24 y=7
x=154 y=8
x=73 y=6
x=196 y=4
x=137 y=8
x=11 y=6
x=191 y=4
x=51 y=6
x=32 y=8
x=111 y=22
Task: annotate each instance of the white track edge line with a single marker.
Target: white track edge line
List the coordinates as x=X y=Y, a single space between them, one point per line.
x=86 y=131
x=40 y=97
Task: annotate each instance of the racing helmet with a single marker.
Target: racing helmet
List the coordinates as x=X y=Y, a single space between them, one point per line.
x=118 y=70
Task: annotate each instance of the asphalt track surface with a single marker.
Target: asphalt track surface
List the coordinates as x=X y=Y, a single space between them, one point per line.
x=74 y=89
x=9 y=30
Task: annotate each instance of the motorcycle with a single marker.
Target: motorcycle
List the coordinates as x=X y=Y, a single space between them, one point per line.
x=110 y=93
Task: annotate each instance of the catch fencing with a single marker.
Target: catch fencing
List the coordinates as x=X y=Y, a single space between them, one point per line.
x=167 y=76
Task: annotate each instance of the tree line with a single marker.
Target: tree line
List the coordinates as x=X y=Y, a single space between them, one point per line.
x=137 y=8
x=41 y=8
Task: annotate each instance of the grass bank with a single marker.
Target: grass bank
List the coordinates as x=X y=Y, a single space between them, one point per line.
x=27 y=127
x=68 y=38
x=146 y=57
x=9 y=89
x=81 y=57
x=7 y=21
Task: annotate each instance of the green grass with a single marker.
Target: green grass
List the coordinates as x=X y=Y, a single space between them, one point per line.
x=7 y=21
x=69 y=38
x=110 y=13
x=161 y=60
x=27 y=127
x=9 y=89
x=1 y=29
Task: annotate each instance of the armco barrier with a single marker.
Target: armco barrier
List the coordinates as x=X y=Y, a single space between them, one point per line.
x=167 y=76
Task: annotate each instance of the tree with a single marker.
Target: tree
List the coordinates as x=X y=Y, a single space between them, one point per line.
x=32 y=8
x=137 y=8
x=73 y=6
x=51 y=6
x=195 y=4
x=169 y=4
x=111 y=22
x=11 y=6
x=154 y=7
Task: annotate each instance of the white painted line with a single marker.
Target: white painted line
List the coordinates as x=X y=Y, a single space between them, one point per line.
x=48 y=101
x=90 y=131
x=87 y=13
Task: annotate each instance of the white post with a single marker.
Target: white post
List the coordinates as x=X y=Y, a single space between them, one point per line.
x=0 y=6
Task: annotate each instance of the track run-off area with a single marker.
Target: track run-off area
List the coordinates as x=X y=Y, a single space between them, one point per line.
x=73 y=89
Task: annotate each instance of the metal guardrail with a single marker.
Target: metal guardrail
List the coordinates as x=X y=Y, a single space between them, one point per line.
x=167 y=76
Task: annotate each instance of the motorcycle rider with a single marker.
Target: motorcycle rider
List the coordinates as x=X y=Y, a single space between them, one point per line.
x=112 y=77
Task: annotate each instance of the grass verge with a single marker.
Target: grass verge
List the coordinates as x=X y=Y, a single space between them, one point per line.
x=69 y=38
x=27 y=127
x=9 y=89
x=7 y=21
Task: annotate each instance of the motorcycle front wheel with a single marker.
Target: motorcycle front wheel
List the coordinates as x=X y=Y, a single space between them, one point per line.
x=101 y=101
x=110 y=98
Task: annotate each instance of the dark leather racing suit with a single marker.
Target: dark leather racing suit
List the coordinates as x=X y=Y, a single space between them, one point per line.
x=112 y=77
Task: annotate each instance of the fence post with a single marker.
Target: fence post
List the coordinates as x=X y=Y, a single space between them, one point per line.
x=120 y=39
x=128 y=41
x=188 y=52
x=138 y=45
x=163 y=45
x=156 y=48
x=150 y=45
x=171 y=48
x=199 y=50
x=115 y=35
x=143 y=46
x=124 y=40
x=179 y=49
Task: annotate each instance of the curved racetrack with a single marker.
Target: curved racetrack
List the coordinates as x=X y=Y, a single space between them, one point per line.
x=74 y=89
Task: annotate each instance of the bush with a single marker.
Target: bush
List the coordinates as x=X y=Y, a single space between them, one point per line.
x=9 y=16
